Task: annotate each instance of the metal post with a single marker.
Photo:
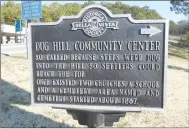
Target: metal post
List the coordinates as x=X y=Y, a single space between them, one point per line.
x=26 y=39
x=95 y=120
x=91 y=119
x=20 y=37
x=15 y=37
x=20 y=31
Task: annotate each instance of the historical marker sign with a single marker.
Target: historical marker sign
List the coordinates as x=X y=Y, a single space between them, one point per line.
x=99 y=61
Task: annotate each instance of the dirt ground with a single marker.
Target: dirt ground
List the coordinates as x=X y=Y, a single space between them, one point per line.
x=176 y=113
x=17 y=112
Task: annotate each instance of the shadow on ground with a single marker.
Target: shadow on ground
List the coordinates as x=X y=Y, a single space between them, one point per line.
x=178 y=68
x=171 y=54
x=12 y=116
x=179 y=45
x=178 y=50
x=13 y=56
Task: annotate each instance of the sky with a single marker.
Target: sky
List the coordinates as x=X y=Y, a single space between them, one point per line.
x=162 y=7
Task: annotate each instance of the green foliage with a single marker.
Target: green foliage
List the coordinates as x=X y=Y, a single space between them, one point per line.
x=179 y=51
x=88 y=3
x=135 y=11
x=118 y=8
x=46 y=14
x=180 y=28
x=2 y=19
x=180 y=6
x=72 y=9
x=183 y=28
x=185 y=39
x=54 y=9
x=52 y=12
x=172 y=27
x=10 y=12
x=182 y=22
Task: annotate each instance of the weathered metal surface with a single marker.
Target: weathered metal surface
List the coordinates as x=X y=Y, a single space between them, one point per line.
x=98 y=61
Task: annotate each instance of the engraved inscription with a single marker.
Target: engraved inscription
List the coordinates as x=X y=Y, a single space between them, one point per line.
x=117 y=66
x=50 y=98
x=132 y=57
x=109 y=57
x=95 y=59
x=107 y=100
x=105 y=92
x=52 y=57
x=60 y=46
x=81 y=99
x=143 y=45
x=148 y=66
x=79 y=57
x=152 y=57
x=152 y=93
x=98 y=45
x=42 y=46
x=129 y=100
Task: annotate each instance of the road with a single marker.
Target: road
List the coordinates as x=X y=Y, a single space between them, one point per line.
x=13 y=48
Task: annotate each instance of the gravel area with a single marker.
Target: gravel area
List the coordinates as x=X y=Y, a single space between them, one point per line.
x=17 y=112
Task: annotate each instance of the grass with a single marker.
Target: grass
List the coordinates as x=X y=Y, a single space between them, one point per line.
x=122 y=124
x=176 y=49
x=176 y=38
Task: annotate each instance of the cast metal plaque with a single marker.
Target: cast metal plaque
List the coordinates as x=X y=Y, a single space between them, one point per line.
x=99 y=61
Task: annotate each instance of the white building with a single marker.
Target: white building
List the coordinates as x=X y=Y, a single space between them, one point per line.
x=9 y=35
